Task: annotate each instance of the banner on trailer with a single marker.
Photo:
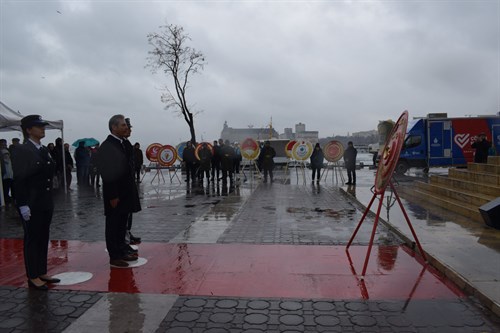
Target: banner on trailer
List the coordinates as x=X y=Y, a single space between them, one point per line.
x=302 y=150
x=333 y=151
x=152 y=152
x=167 y=155
x=249 y=149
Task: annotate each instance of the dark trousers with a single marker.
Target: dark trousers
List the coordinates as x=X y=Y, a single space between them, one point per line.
x=82 y=175
x=36 y=242
x=116 y=228
x=351 y=175
x=69 y=178
x=191 y=171
x=138 y=174
x=215 y=169
x=318 y=170
x=94 y=178
x=7 y=188
x=266 y=171
x=225 y=174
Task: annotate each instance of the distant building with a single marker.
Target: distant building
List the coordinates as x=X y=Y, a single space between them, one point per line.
x=302 y=134
x=240 y=134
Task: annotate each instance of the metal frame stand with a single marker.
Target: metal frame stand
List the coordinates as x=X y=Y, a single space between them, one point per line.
x=336 y=172
x=250 y=169
x=158 y=174
x=381 y=201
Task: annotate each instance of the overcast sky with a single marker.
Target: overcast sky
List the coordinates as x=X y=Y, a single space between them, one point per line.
x=337 y=66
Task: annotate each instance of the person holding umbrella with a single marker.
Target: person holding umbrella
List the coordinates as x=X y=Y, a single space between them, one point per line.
x=33 y=170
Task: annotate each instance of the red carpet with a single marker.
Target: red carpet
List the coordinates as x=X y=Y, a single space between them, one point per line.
x=290 y=271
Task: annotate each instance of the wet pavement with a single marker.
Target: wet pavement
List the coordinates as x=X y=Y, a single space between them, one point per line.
x=256 y=258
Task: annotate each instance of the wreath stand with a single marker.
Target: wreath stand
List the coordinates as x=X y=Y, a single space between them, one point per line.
x=336 y=172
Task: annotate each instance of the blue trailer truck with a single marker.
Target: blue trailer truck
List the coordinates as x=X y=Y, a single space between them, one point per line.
x=439 y=141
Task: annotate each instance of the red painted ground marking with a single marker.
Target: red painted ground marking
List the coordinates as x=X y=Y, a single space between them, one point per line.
x=241 y=270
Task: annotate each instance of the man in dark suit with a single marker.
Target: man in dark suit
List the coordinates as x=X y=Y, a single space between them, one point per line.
x=33 y=172
x=118 y=190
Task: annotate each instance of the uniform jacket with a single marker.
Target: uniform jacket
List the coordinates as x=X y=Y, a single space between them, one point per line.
x=33 y=172
x=115 y=165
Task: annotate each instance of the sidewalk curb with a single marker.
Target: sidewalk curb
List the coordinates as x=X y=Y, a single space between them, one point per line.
x=463 y=283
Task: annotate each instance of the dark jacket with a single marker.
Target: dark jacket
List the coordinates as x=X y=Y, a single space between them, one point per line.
x=482 y=147
x=205 y=158
x=33 y=173
x=226 y=158
x=188 y=155
x=267 y=154
x=138 y=158
x=317 y=158
x=115 y=165
x=82 y=157
x=350 y=157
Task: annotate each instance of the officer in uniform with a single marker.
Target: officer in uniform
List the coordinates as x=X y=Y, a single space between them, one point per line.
x=33 y=172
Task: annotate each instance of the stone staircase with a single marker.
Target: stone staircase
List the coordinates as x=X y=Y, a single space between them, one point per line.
x=463 y=190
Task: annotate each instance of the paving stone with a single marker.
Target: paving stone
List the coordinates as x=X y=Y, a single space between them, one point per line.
x=291 y=306
x=325 y=320
x=63 y=310
x=365 y=321
x=226 y=304
x=188 y=316
x=221 y=318
x=256 y=319
x=11 y=322
x=195 y=303
x=398 y=321
x=323 y=306
x=356 y=306
x=79 y=298
x=258 y=305
x=291 y=320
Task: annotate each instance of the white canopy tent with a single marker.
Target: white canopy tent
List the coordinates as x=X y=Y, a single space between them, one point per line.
x=10 y=120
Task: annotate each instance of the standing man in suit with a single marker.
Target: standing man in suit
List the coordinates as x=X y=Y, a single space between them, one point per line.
x=118 y=190
x=33 y=173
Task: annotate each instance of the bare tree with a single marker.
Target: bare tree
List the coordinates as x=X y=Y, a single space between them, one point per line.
x=178 y=61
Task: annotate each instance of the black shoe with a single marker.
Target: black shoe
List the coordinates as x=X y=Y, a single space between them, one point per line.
x=134 y=240
x=129 y=258
x=118 y=263
x=42 y=287
x=353 y=183
x=50 y=280
x=348 y=183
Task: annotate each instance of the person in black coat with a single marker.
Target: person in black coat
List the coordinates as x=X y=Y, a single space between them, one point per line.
x=266 y=157
x=350 y=163
x=317 y=159
x=205 y=155
x=138 y=161
x=216 y=162
x=119 y=188
x=33 y=170
x=482 y=146
x=226 y=161
x=190 y=162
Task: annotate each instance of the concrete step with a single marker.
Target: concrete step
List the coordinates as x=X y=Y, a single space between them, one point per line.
x=477 y=177
x=465 y=185
x=495 y=160
x=455 y=206
x=484 y=168
x=468 y=197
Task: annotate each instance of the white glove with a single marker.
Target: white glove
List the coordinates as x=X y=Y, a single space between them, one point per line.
x=25 y=212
